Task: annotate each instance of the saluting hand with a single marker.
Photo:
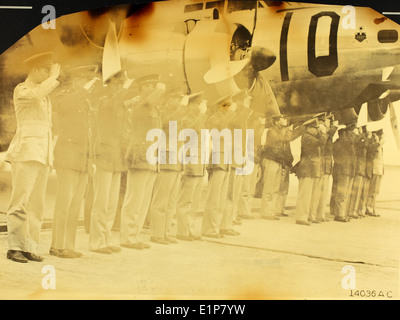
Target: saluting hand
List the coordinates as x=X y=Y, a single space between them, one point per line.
x=55 y=71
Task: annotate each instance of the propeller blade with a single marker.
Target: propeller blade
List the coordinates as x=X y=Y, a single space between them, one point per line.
x=225 y=70
x=111 y=53
x=395 y=124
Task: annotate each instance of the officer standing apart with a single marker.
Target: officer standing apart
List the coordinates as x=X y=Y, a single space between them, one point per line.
x=277 y=155
x=108 y=164
x=31 y=156
x=219 y=168
x=71 y=156
x=308 y=169
x=191 y=188
x=166 y=186
x=142 y=173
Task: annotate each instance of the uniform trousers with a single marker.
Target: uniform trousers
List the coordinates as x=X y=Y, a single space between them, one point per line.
x=234 y=189
x=373 y=192
x=316 y=194
x=164 y=202
x=349 y=190
x=355 y=195
x=304 y=196
x=106 y=185
x=27 y=205
x=189 y=201
x=283 y=191
x=341 y=195
x=272 y=179
x=364 y=195
x=139 y=190
x=247 y=194
x=215 y=201
x=333 y=194
x=71 y=186
x=324 y=196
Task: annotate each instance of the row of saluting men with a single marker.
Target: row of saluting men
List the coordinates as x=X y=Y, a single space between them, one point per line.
x=354 y=160
x=102 y=135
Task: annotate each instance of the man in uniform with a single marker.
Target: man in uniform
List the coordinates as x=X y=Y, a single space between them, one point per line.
x=219 y=168
x=343 y=150
x=361 y=156
x=141 y=174
x=236 y=175
x=108 y=164
x=309 y=169
x=331 y=127
x=166 y=186
x=31 y=156
x=377 y=174
x=71 y=159
x=277 y=157
x=194 y=172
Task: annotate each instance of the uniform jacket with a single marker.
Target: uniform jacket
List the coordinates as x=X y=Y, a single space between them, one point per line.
x=239 y=122
x=377 y=168
x=310 y=160
x=361 y=155
x=171 y=113
x=108 y=134
x=195 y=121
x=277 y=145
x=145 y=117
x=220 y=120
x=327 y=153
x=371 y=149
x=344 y=155
x=33 y=110
x=72 y=150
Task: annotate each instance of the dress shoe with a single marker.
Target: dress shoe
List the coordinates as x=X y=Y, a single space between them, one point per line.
x=353 y=217
x=65 y=254
x=195 y=237
x=102 y=250
x=229 y=232
x=341 y=219
x=114 y=249
x=246 y=216
x=32 y=257
x=16 y=256
x=171 y=240
x=237 y=222
x=145 y=245
x=76 y=253
x=321 y=220
x=283 y=214
x=213 y=235
x=270 y=217
x=185 y=238
x=159 y=240
x=136 y=245
x=372 y=214
x=303 y=223
x=314 y=221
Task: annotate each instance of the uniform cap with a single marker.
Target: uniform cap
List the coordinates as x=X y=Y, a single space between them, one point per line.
x=312 y=123
x=196 y=97
x=40 y=60
x=223 y=102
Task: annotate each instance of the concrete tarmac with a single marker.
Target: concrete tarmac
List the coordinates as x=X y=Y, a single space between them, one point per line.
x=268 y=260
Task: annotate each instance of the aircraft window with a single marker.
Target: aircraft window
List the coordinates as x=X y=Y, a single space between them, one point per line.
x=241 y=5
x=388 y=36
x=193 y=7
x=215 y=4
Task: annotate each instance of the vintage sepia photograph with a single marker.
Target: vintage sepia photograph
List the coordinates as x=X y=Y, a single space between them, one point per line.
x=200 y=150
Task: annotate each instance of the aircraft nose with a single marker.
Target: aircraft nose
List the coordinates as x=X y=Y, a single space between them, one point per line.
x=262 y=58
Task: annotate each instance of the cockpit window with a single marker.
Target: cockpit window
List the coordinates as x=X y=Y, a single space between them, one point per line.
x=193 y=7
x=388 y=36
x=241 y=5
x=215 y=4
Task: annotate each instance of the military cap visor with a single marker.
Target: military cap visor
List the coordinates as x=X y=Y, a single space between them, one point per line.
x=240 y=96
x=224 y=102
x=39 y=60
x=196 y=98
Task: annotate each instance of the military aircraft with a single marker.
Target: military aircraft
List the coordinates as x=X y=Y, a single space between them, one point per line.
x=297 y=59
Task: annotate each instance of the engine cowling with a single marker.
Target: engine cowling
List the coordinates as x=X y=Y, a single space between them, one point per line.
x=377 y=109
